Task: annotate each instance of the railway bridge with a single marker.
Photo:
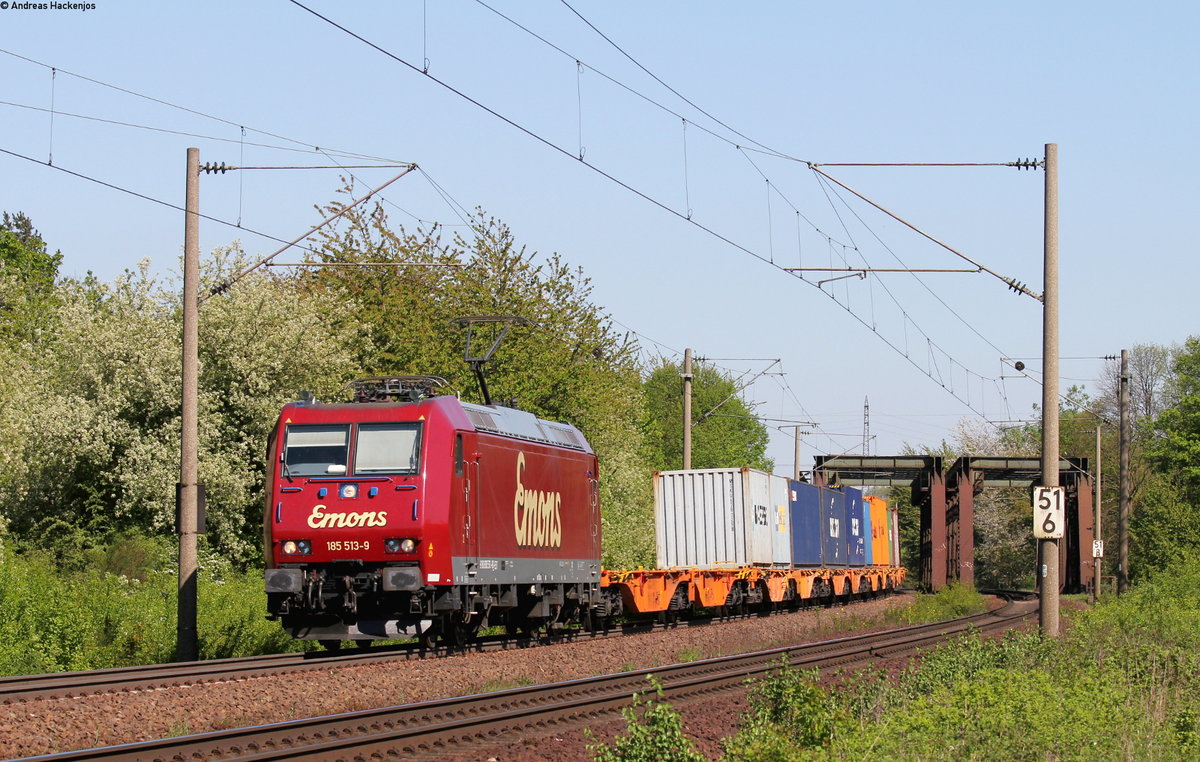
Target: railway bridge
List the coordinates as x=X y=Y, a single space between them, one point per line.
x=946 y=499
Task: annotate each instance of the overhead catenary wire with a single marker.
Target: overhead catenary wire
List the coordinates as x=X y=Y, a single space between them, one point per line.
x=1010 y=282
x=136 y=194
x=924 y=285
x=169 y=104
x=591 y=166
x=612 y=80
x=675 y=92
x=298 y=146
x=198 y=135
x=342 y=209
x=446 y=198
x=930 y=344
x=426 y=69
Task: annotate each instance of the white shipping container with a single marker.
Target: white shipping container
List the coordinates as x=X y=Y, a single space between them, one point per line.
x=780 y=516
x=720 y=518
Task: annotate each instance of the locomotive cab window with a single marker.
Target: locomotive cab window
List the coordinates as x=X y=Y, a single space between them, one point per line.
x=316 y=450
x=387 y=448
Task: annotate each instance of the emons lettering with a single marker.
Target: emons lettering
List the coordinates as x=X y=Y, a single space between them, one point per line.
x=537 y=517
x=318 y=519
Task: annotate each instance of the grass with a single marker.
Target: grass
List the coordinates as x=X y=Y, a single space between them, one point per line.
x=1123 y=682
x=503 y=684
x=56 y=618
x=950 y=602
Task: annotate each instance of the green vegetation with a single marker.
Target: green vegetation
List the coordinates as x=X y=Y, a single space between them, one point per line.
x=1123 y=682
x=89 y=414
x=950 y=602
x=691 y=653
x=118 y=610
x=788 y=711
x=1164 y=387
x=654 y=733
x=725 y=431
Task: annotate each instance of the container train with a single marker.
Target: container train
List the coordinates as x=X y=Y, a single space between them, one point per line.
x=411 y=514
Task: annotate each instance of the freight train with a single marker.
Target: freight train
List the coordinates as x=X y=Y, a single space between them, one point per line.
x=412 y=514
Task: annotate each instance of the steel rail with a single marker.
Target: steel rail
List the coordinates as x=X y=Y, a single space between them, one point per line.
x=86 y=682
x=453 y=724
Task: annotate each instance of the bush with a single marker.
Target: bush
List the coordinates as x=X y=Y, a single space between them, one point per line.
x=789 y=715
x=119 y=609
x=654 y=732
x=950 y=602
x=1123 y=682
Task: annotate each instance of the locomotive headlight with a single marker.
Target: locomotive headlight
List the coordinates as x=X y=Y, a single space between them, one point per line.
x=397 y=545
x=348 y=491
x=296 y=548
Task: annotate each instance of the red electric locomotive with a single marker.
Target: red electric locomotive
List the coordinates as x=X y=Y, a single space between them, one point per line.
x=405 y=514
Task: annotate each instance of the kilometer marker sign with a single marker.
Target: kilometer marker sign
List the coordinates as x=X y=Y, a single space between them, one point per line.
x=1049 y=518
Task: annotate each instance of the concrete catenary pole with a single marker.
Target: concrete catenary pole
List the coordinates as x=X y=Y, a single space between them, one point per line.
x=796 y=471
x=687 y=408
x=186 y=648
x=1097 y=560
x=1125 y=507
x=1048 y=606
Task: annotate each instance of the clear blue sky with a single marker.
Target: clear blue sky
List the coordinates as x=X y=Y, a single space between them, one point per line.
x=1114 y=86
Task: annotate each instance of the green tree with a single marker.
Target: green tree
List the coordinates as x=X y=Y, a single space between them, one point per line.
x=27 y=275
x=568 y=364
x=1162 y=525
x=93 y=428
x=23 y=252
x=725 y=432
x=1175 y=444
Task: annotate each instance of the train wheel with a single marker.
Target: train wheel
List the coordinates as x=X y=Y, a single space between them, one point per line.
x=458 y=633
x=516 y=626
x=429 y=637
x=331 y=645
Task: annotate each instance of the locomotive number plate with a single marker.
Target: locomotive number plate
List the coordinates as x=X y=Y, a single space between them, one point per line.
x=348 y=545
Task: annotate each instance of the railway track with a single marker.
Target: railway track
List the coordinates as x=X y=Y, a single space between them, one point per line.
x=425 y=729
x=159 y=676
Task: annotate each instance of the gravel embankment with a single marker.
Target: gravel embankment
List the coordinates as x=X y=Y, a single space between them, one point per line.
x=53 y=725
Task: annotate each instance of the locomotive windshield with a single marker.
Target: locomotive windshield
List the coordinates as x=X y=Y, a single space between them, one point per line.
x=379 y=448
x=387 y=448
x=316 y=450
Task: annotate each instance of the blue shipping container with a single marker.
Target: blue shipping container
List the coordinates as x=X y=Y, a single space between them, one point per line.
x=833 y=527
x=805 y=505
x=856 y=541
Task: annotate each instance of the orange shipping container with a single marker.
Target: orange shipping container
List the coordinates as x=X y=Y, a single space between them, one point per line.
x=881 y=546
